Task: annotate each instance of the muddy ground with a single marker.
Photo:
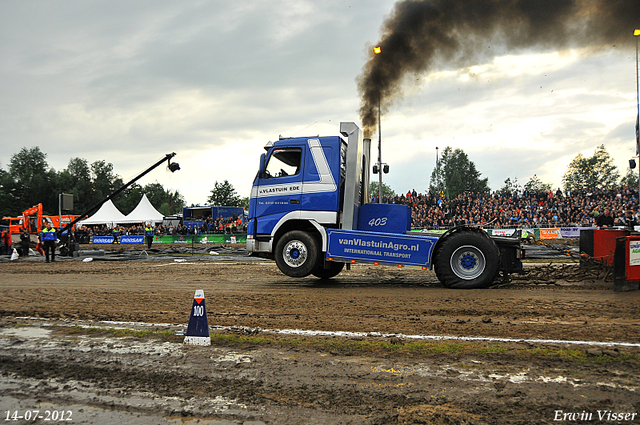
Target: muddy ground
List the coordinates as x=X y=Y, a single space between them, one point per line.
x=96 y=340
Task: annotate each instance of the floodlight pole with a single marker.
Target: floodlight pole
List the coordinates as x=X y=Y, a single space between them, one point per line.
x=379 y=153
x=376 y=51
x=636 y=33
x=59 y=210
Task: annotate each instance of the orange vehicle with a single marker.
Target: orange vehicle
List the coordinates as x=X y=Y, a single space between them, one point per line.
x=33 y=220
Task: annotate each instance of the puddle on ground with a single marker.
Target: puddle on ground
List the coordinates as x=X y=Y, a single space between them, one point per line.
x=26 y=332
x=82 y=400
x=233 y=356
x=523 y=377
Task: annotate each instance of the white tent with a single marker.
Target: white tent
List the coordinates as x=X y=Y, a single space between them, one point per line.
x=143 y=213
x=107 y=214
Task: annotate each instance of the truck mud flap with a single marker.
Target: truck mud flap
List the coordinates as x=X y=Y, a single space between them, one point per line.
x=510 y=252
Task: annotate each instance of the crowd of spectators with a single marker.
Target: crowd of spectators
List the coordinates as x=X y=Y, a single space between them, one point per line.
x=518 y=209
x=208 y=226
x=220 y=226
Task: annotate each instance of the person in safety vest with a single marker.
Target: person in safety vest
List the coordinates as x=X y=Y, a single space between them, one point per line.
x=49 y=237
x=148 y=234
x=115 y=232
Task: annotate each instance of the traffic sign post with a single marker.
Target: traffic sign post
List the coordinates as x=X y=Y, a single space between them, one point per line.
x=198 y=328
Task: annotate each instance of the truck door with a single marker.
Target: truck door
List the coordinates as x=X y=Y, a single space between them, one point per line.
x=278 y=191
x=320 y=187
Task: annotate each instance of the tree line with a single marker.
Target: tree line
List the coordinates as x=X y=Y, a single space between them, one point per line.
x=29 y=181
x=456 y=174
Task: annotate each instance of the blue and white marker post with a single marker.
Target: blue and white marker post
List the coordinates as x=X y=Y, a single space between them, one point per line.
x=198 y=328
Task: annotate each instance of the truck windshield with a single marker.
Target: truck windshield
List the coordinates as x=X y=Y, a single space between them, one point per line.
x=284 y=162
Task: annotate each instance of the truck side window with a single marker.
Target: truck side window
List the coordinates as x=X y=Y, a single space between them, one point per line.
x=284 y=162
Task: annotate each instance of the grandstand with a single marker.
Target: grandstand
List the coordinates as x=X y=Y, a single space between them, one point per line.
x=516 y=210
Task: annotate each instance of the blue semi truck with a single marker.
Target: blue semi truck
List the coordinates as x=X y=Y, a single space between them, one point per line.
x=309 y=212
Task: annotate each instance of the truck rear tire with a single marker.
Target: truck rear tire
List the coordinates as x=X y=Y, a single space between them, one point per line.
x=297 y=253
x=334 y=269
x=467 y=260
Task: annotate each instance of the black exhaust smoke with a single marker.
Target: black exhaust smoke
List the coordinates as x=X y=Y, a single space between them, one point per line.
x=422 y=35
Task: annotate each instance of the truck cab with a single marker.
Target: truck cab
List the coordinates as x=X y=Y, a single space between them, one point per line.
x=308 y=210
x=299 y=179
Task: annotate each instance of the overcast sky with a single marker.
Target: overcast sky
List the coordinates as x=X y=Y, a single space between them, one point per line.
x=214 y=81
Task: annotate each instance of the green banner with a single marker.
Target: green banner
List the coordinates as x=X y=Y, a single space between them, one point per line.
x=200 y=239
x=509 y=232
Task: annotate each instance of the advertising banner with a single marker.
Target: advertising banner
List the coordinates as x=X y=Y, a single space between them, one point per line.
x=571 y=232
x=201 y=239
x=122 y=239
x=502 y=232
x=186 y=239
x=428 y=231
x=380 y=247
x=524 y=232
x=132 y=239
x=550 y=233
x=542 y=233
x=102 y=239
x=634 y=253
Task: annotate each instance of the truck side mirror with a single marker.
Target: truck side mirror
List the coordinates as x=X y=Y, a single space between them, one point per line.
x=263 y=164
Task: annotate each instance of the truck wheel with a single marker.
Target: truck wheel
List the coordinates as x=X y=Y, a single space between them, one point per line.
x=467 y=260
x=334 y=269
x=296 y=253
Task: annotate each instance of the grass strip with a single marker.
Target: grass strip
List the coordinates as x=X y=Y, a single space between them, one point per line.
x=372 y=346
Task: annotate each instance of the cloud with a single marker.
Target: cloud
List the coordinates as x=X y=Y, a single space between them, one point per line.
x=130 y=81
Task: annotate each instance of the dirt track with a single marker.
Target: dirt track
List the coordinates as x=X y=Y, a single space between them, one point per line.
x=252 y=375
